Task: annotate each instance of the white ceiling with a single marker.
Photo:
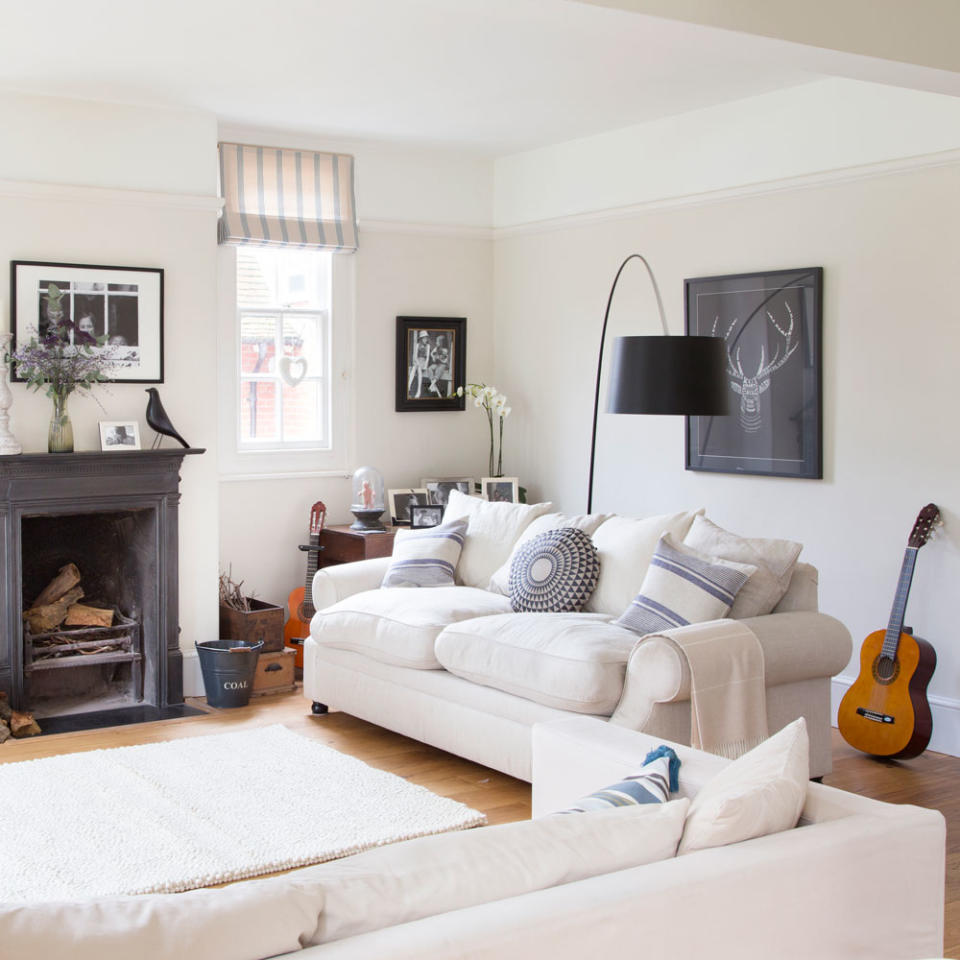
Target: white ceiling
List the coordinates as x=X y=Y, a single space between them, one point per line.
x=493 y=76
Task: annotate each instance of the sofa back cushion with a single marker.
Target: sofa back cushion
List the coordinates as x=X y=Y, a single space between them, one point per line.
x=775 y=561
x=431 y=875
x=492 y=530
x=625 y=547
x=243 y=921
x=500 y=581
x=801 y=595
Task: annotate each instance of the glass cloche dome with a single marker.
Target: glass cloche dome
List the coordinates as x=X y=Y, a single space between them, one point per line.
x=368 y=502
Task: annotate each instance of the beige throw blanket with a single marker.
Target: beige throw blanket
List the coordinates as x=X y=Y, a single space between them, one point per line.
x=728 y=702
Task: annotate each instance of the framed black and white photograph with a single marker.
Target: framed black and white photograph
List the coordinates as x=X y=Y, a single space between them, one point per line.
x=438 y=489
x=402 y=500
x=425 y=515
x=771 y=325
x=120 y=308
x=431 y=363
x=119 y=435
x=500 y=489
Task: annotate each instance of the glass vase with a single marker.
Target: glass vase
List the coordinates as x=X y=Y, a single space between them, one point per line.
x=60 y=435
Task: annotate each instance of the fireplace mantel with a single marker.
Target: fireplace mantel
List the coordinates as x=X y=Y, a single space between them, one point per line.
x=41 y=485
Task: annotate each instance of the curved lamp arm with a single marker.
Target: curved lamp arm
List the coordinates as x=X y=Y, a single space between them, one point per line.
x=603 y=337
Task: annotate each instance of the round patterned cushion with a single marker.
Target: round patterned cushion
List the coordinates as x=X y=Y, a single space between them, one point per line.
x=555 y=572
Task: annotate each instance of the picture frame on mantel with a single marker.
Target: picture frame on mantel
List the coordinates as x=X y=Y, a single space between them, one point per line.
x=772 y=325
x=431 y=363
x=122 y=304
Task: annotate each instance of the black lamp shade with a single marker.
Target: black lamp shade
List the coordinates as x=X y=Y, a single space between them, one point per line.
x=669 y=375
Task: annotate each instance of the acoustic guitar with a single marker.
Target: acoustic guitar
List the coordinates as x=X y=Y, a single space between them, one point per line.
x=300 y=601
x=885 y=713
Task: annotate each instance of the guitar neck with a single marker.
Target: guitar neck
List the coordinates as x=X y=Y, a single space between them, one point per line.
x=313 y=564
x=897 y=614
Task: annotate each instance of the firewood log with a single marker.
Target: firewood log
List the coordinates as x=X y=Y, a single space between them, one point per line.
x=4 y=733
x=23 y=725
x=80 y=615
x=5 y=708
x=48 y=617
x=66 y=579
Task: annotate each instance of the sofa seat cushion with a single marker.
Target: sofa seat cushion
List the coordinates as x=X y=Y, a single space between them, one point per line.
x=570 y=661
x=400 y=626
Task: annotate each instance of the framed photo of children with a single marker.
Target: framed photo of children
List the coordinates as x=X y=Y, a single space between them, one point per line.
x=117 y=311
x=431 y=363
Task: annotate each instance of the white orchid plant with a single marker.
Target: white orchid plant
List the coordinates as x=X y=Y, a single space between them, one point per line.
x=495 y=405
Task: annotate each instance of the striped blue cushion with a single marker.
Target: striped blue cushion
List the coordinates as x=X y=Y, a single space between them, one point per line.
x=683 y=586
x=427 y=557
x=653 y=784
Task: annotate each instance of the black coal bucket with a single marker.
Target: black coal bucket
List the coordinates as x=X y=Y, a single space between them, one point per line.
x=228 y=668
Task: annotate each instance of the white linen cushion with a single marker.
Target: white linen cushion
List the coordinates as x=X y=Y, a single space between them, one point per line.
x=683 y=586
x=500 y=581
x=759 y=793
x=400 y=626
x=492 y=530
x=571 y=661
x=426 y=558
x=775 y=561
x=432 y=875
x=625 y=546
x=243 y=921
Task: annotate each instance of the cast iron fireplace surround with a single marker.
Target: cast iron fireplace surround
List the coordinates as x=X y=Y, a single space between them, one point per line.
x=116 y=516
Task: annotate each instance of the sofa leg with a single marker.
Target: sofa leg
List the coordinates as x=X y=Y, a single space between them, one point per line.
x=318 y=708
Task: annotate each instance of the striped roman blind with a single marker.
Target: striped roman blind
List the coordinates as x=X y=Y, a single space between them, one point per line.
x=277 y=197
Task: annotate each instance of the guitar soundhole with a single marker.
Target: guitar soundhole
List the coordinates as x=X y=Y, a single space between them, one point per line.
x=886 y=669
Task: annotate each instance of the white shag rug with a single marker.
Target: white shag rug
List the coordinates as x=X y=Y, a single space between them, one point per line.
x=172 y=816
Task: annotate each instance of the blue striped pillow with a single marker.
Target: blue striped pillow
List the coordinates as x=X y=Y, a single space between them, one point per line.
x=653 y=784
x=683 y=586
x=427 y=557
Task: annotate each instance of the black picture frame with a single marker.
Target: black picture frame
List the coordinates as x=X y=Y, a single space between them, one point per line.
x=772 y=322
x=123 y=303
x=431 y=363
x=424 y=515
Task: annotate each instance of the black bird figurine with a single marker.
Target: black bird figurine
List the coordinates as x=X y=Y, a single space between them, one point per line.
x=157 y=418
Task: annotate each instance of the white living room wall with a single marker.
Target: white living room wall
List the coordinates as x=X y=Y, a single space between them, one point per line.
x=889 y=249
x=84 y=182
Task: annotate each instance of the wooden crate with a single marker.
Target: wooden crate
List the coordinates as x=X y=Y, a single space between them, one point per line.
x=263 y=622
x=274 y=672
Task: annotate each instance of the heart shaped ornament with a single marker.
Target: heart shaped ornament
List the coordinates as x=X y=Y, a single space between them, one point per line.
x=293 y=369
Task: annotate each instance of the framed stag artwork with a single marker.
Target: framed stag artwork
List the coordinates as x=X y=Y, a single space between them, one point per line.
x=771 y=325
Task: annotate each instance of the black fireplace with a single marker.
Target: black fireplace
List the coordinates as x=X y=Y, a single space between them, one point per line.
x=113 y=515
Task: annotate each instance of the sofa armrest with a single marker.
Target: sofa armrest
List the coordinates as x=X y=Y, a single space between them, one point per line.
x=796 y=646
x=331 y=584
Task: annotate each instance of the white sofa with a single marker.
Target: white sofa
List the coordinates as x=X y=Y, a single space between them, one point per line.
x=823 y=889
x=373 y=652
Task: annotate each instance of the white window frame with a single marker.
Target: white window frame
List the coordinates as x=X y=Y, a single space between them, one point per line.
x=240 y=460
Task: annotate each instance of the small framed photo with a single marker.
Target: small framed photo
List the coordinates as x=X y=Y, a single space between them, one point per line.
x=431 y=363
x=119 y=435
x=402 y=500
x=118 y=310
x=438 y=489
x=425 y=515
x=500 y=489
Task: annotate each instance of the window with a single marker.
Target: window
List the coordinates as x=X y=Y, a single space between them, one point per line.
x=284 y=302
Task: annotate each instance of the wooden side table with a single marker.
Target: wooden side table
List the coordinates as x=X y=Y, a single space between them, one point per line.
x=343 y=545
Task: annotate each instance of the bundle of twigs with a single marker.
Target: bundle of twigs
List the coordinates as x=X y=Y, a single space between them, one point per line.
x=231 y=594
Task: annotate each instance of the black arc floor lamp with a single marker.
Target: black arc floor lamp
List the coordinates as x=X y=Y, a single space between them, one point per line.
x=683 y=376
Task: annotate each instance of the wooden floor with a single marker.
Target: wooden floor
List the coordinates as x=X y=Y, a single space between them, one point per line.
x=932 y=780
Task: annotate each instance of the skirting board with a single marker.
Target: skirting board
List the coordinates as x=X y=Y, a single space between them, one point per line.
x=192 y=677
x=946 y=716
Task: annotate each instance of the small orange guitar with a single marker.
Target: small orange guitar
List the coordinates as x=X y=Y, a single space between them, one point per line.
x=300 y=601
x=885 y=713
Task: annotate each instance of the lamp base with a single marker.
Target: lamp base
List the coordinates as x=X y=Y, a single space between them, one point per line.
x=367 y=520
